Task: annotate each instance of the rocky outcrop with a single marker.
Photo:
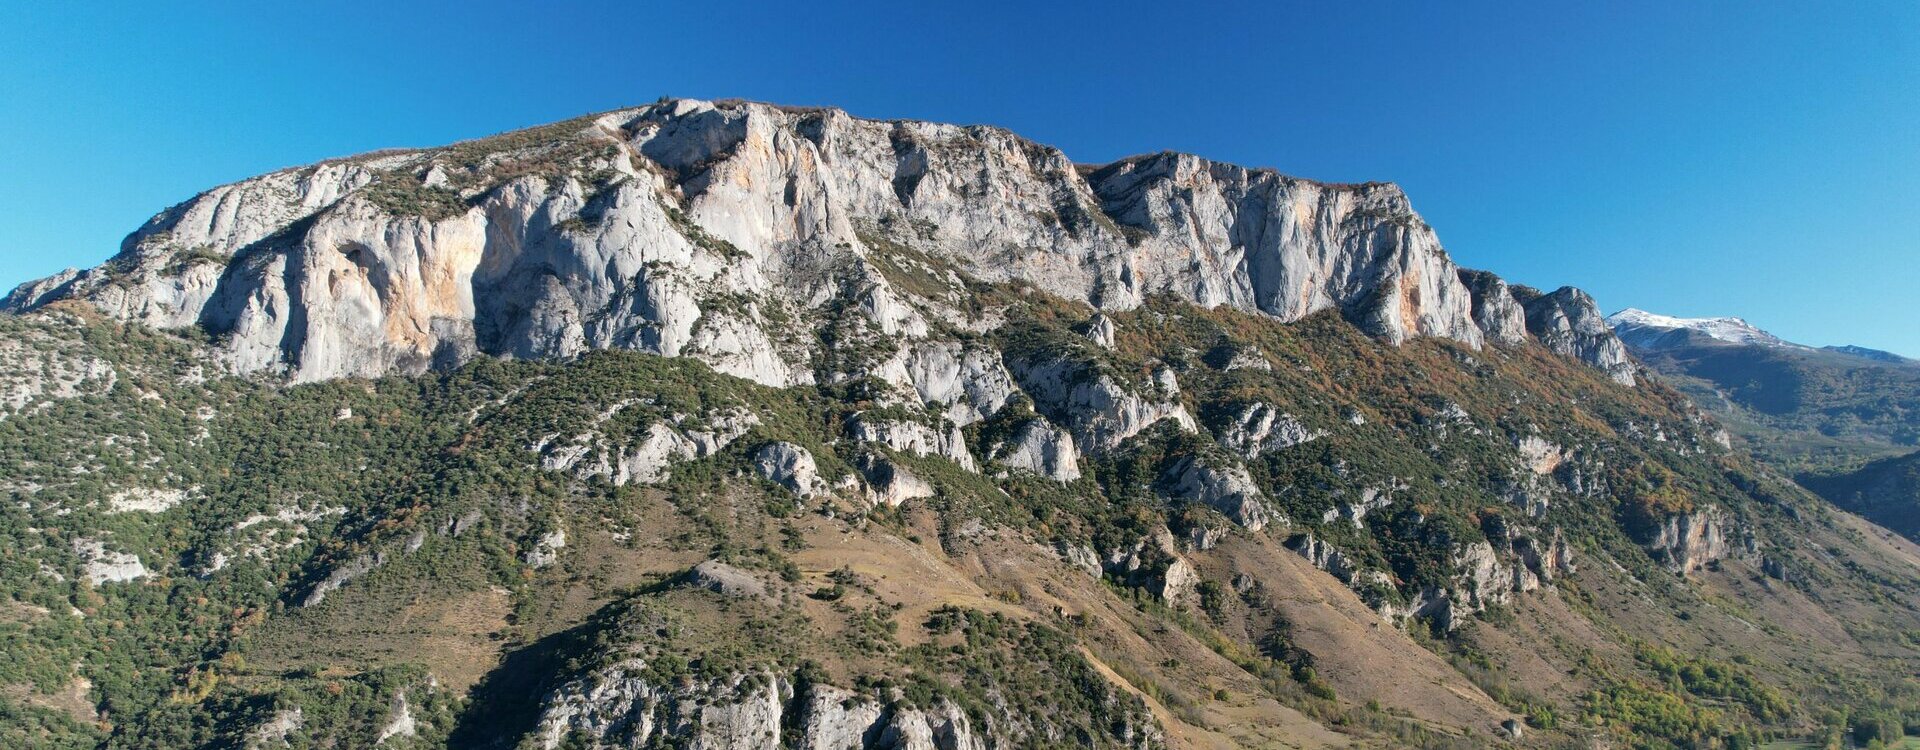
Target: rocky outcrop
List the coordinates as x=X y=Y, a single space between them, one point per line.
x=619 y=706
x=645 y=457
x=1258 y=240
x=1257 y=429
x=1569 y=323
x=889 y=483
x=1687 y=542
x=789 y=466
x=909 y=436
x=700 y=229
x=1041 y=448
x=102 y=565
x=1495 y=310
x=1227 y=489
x=1093 y=405
x=836 y=719
x=38 y=367
x=725 y=580
x=545 y=550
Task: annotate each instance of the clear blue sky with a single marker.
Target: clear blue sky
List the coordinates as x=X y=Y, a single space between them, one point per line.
x=1746 y=158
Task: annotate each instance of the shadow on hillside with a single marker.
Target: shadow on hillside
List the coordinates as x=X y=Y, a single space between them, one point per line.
x=506 y=704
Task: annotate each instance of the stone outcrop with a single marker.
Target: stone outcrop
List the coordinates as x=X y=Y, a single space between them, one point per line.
x=725 y=579
x=1094 y=406
x=789 y=466
x=1687 y=542
x=702 y=229
x=914 y=437
x=1568 y=322
x=1227 y=489
x=619 y=706
x=1258 y=429
x=1041 y=448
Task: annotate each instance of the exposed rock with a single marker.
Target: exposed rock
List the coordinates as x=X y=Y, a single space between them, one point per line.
x=341 y=575
x=646 y=458
x=618 y=707
x=890 y=484
x=1259 y=428
x=1081 y=556
x=1101 y=330
x=546 y=549
x=1541 y=457
x=1092 y=405
x=38 y=367
x=1227 y=489
x=970 y=382
x=1495 y=310
x=102 y=565
x=273 y=732
x=145 y=500
x=679 y=228
x=725 y=579
x=913 y=437
x=789 y=466
x=1687 y=542
x=400 y=721
x=1039 y=447
x=1569 y=323
x=1325 y=557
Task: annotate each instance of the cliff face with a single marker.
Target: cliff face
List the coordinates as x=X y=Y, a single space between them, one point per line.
x=689 y=228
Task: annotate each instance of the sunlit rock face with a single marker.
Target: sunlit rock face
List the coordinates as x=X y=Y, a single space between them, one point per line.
x=716 y=230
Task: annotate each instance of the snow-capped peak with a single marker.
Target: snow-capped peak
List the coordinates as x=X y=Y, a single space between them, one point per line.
x=1637 y=326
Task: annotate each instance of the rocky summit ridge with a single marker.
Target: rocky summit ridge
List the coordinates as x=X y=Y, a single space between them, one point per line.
x=712 y=229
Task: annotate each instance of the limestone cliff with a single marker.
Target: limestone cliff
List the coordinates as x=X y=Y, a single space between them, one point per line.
x=707 y=229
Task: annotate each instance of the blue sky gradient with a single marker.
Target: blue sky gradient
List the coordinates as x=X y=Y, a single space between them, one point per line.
x=1754 y=158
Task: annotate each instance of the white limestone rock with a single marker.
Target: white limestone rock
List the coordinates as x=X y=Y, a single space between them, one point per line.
x=1039 y=447
x=789 y=466
x=678 y=227
x=1569 y=323
x=1227 y=489
x=1687 y=542
x=913 y=437
x=890 y=484
x=546 y=550
x=103 y=566
x=1259 y=428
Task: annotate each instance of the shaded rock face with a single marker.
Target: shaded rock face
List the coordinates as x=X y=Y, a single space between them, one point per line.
x=890 y=484
x=1569 y=323
x=691 y=228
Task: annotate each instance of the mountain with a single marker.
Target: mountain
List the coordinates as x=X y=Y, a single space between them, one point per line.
x=1645 y=330
x=1827 y=415
x=728 y=425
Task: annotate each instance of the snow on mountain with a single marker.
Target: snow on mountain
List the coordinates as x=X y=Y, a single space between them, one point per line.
x=1643 y=329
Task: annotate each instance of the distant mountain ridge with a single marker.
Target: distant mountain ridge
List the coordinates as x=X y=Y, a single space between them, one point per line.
x=1647 y=330
x=1844 y=419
